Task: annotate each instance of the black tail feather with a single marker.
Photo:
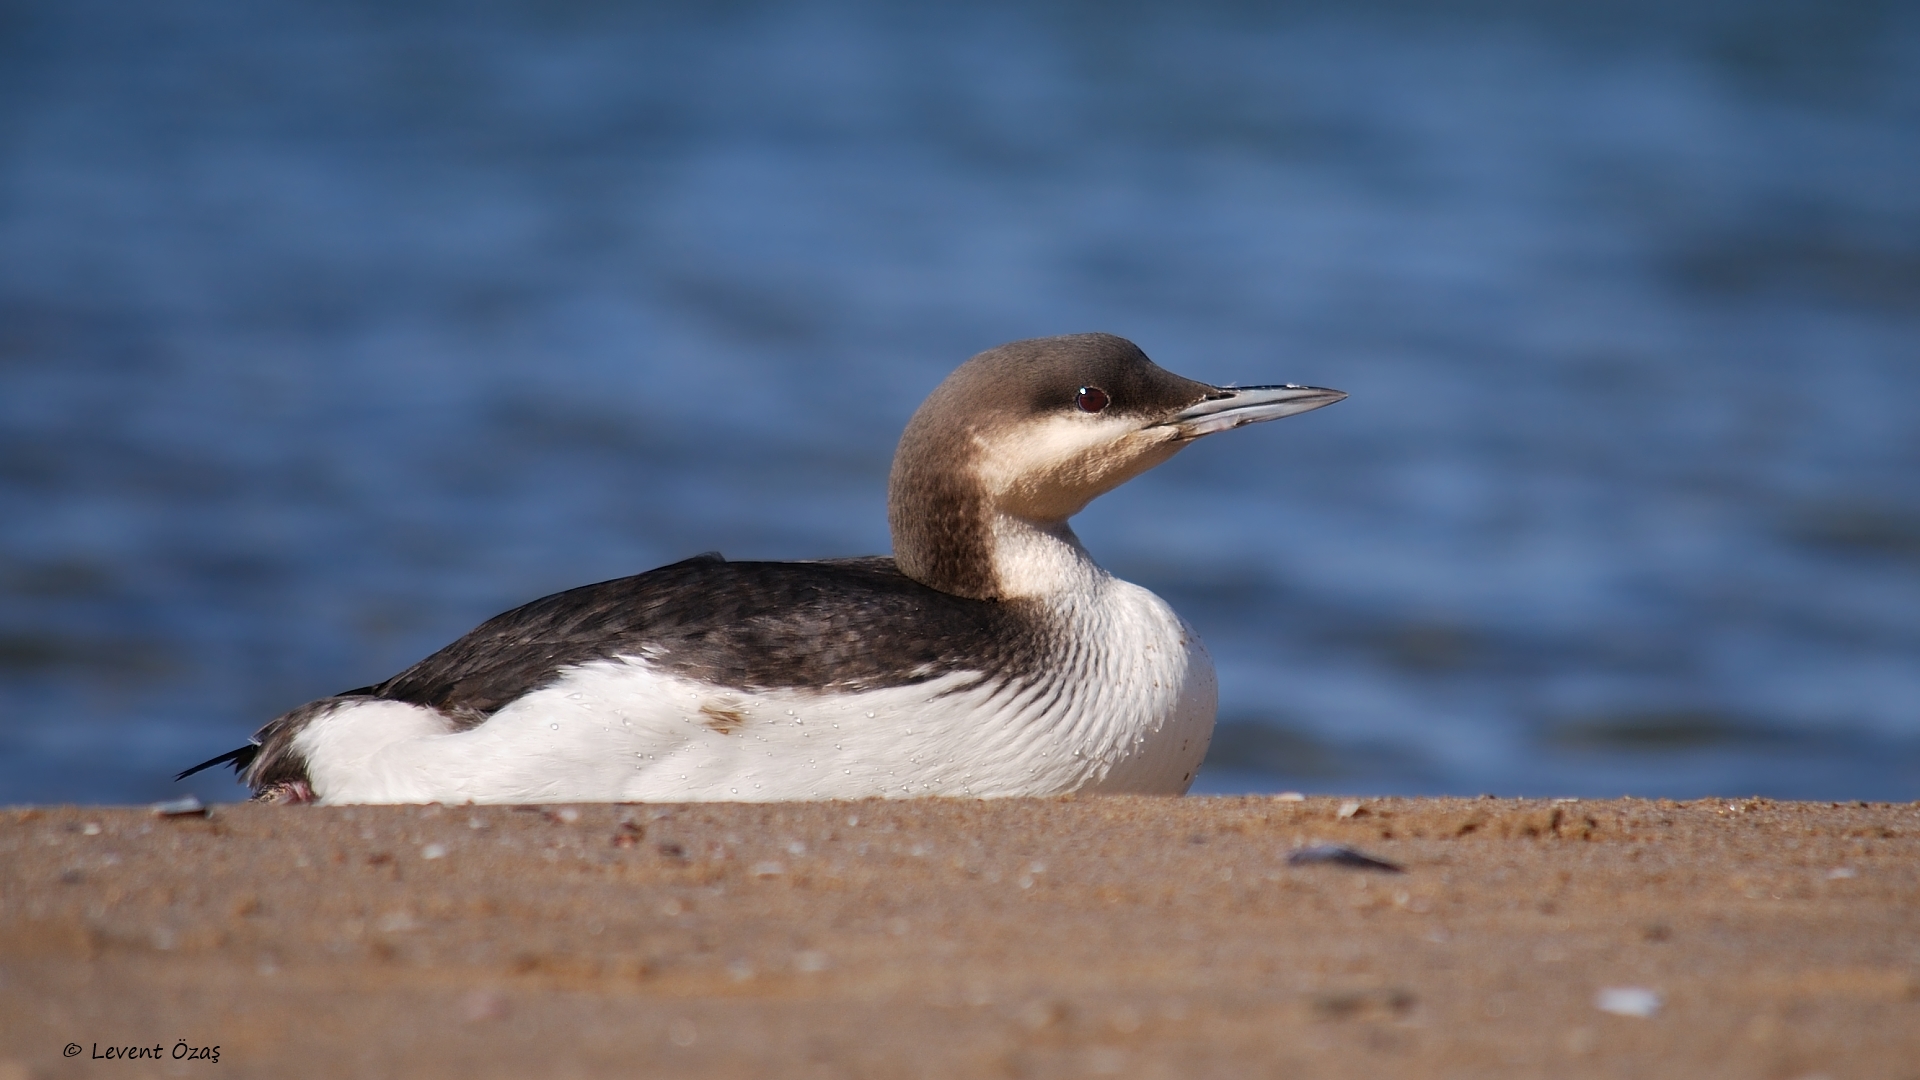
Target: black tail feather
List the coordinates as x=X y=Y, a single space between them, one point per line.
x=240 y=758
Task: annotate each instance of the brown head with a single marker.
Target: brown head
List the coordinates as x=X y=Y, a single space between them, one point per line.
x=1033 y=431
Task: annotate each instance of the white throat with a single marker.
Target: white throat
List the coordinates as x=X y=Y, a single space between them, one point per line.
x=1036 y=560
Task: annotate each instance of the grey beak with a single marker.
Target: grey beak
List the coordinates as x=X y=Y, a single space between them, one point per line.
x=1233 y=406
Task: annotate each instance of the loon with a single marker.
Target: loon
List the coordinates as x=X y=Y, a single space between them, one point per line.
x=989 y=657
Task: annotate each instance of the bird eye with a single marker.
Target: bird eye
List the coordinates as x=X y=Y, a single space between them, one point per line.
x=1091 y=399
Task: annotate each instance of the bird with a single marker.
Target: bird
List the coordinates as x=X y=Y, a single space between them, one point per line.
x=989 y=656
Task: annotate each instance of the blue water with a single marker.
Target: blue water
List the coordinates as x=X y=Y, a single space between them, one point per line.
x=328 y=330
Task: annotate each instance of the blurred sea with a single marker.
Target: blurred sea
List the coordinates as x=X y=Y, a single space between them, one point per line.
x=329 y=329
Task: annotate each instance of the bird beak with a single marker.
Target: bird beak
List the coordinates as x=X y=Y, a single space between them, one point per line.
x=1233 y=406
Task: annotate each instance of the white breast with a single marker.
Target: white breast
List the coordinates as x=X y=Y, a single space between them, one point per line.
x=1131 y=709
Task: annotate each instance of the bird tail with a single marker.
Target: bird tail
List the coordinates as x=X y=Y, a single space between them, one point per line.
x=240 y=759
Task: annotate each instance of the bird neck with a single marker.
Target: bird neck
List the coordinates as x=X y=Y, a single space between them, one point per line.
x=1035 y=559
x=950 y=537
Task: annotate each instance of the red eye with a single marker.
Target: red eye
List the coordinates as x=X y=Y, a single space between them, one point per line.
x=1091 y=399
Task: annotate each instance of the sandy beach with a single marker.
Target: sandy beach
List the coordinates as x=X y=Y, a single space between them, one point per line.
x=1129 y=937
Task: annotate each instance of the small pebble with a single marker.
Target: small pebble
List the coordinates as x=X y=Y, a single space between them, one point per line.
x=1635 y=1001
x=185 y=807
x=434 y=851
x=483 y=1005
x=1289 y=796
x=1340 y=855
x=1349 y=809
